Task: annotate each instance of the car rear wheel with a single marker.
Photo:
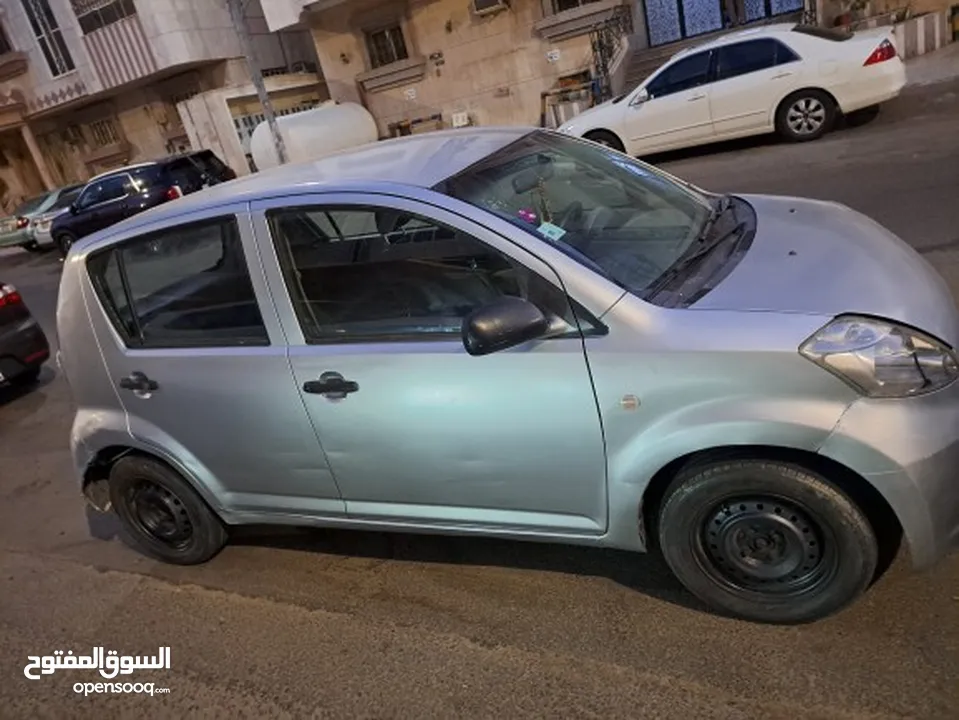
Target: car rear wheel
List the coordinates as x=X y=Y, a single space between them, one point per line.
x=766 y=541
x=32 y=248
x=805 y=115
x=28 y=377
x=162 y=513
x=604 y=137
x=65 y=242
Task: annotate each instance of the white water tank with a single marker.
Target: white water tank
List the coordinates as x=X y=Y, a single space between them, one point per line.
x=315 y=133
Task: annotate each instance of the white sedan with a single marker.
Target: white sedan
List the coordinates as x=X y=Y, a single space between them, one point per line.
x=791 y=79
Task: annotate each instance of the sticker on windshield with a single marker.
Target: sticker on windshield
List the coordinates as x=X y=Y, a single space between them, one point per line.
x=553 y=232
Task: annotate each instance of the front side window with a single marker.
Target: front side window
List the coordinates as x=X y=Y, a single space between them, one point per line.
x=186 y=286
x=109 y=188
x=386 y=46
x=371 y=273
x=751 y=56
x=684 y=74
x=616 y=215
x=46 y=29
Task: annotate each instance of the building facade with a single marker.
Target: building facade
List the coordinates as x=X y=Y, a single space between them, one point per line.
x=86 y=85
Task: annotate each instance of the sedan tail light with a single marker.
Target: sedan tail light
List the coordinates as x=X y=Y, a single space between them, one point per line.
x=885 y=51
x=174 y=192
x=22 y=222
x=9 y=295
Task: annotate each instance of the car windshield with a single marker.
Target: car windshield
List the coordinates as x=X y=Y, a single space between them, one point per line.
x=66 y=198
x=30 y=205
x=622 y=217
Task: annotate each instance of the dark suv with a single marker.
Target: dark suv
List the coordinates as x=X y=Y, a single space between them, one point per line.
x=115 y=195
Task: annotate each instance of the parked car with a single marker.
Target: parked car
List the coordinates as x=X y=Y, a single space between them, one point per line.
x=43 y=221
x=791 y=79
x=516 y=333
x=23 y=345
x=118 y=194
x=21 y=227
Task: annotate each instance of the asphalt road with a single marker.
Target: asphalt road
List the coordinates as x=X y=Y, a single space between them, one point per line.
x=342 y=624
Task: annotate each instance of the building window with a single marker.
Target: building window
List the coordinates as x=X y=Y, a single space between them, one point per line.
x=47 y=31
x=386 y=46
x=5 y=46
x=96 y=14
x=562 y=5
x=104 y=132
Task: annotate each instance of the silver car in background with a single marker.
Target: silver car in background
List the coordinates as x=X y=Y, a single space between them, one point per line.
x=515 y=333
x=44 y=220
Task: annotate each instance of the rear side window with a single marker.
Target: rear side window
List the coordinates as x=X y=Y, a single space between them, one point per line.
x=751 y=56
x=186 y=286
x=185 y=174
x=210 y=163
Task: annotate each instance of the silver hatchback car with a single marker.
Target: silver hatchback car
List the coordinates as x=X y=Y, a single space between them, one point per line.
x=515 y=333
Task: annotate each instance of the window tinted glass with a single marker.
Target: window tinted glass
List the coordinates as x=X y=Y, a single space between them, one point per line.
x=66 y=197
x=184 y=173
x=752 y=56
x=31 y=204
x=187 y=286
x=687 y=73
x=109 y=188
x=363 y=273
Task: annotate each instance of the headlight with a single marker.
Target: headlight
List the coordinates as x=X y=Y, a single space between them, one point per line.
x=882 y=359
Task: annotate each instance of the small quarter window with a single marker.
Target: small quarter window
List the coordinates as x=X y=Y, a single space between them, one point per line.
x=183 y=287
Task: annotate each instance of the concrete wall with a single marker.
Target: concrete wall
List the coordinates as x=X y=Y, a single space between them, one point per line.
x=208 y=118
x=494 y=67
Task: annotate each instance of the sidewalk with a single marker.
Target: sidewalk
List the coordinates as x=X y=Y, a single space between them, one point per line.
x=934 y=67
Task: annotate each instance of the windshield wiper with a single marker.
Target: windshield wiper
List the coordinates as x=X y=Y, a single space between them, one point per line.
x=684 y=263
x=722 y=205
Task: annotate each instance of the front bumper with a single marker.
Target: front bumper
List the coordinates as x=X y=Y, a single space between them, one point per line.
x=23 y=346
x=908 y=449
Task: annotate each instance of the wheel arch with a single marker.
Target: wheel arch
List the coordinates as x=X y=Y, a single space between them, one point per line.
x=880 y=514
x=806 y=88
x=598 y=130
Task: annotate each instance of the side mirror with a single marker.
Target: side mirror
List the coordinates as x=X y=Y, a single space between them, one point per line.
x=506 y=323
x=73 y=208
x=641 y=97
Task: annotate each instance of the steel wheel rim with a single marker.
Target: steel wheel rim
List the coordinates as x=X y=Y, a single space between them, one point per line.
x=806 y=116
x=159 y=514
x=764 y=544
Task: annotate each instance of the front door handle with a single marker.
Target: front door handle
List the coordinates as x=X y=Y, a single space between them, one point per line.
x=138 y=383
x=331 y=385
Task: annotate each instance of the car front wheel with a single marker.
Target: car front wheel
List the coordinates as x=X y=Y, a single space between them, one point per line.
x=766 y=541
x=604 y=137
x=162 y=513
x=65 y=242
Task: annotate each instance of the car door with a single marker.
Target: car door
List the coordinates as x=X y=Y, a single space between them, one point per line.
x=199 y=363
x=752 y=76
x=672 y=109
x=103 y=203
x=371 y=291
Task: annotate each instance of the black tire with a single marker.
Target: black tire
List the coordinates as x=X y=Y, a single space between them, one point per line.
x=65 y=242
x=162 y=513
x=32 y=248
x=766 y=541
x=860 y=117
x=805 y=115
x=605 y=137
x=27 y=378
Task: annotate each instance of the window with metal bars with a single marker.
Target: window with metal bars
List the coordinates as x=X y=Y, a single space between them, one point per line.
x=104 y=132
x=561 y=5
x=95 y=14
x=46 y=29
x=386 y=46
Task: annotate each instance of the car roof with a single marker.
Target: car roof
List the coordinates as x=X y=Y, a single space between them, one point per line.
x=771 y=30
x=413 y=160
x=147 y=164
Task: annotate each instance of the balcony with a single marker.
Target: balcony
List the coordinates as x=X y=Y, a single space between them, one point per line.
x=13 y=64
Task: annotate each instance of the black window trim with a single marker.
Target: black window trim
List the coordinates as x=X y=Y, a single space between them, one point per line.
x=137 y=343
x=580 y=313
x=710 y=71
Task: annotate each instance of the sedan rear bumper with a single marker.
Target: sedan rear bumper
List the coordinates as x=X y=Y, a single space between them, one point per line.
x=909 y=451
x=23 y=347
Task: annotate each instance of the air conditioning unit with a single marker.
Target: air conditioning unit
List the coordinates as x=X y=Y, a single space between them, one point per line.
x=488 y=7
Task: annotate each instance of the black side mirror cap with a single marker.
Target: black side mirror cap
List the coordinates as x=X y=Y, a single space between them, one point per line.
x=505 y=323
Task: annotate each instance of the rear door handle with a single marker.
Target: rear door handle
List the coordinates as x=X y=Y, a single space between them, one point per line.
x=138 y=382
x=696 y=97
x=781 y=75
x=331 y=385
